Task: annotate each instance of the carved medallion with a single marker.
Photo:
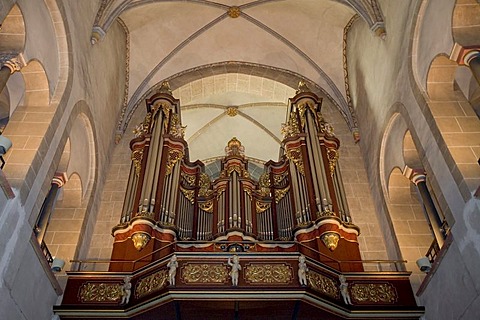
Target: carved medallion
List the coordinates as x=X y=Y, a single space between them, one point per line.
x=323 y=284
x=100 y=292
x=151 y=284
x=204 y=273
x=234 y=12
x=373 y=293
x=268 y=273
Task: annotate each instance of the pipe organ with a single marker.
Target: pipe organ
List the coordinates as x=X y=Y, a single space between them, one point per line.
x=300 y=198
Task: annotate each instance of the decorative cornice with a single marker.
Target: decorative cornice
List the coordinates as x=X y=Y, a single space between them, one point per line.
x=119 y=132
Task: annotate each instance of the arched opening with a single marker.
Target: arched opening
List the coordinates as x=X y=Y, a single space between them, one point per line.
x=12 y=32
x=456 y=120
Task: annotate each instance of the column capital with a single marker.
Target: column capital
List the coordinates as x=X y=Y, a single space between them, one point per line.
x=14 y=62
x=414 y=175
x=464 y=55
x=60 y=178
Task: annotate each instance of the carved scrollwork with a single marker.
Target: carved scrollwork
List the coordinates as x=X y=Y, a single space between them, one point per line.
x=295 y=155
x=189 y=179
x=206 y=206
x=332 y=155
x=280 y=193
x=205 y=183
x=373 y=293
x=176 y=128
x=205 y=273
x=291 y=128
x=268 y=273
x=100 y=292
x=137 y=156
x=262 y=206
x=189 y=194
x=173 y=156
x=323 y=284
x=264 y=184
x=151 y=284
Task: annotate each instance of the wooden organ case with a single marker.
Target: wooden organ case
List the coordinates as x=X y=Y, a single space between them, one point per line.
x=188 y=247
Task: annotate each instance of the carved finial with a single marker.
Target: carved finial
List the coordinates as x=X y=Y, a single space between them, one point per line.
x=165 y=88
x=234 y=148
x=302 y=87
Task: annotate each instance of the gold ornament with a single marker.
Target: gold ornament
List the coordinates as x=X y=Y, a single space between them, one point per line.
x=151 y=284
x=330 y=239
x=295 y=155
x=140 y=240
x=173 y=156
x=232 y=111
x=323 y=284
x=280 y=193
x=373 y=293
x=332 y=155
x=268 y=273
x=262 y=206
x=234 y=12
x=204 y=273
x=137 y=156
x=100 y=292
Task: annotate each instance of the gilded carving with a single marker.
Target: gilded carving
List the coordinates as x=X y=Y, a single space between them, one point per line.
x=234 y=12
x=373 y=293
x=264 y=185
x=101 y=292
x=330 y=239
x=280 y=193
x=173 y=156
x=143 y=127
x=290 y=128
x=323 y=284
x=268 y=273
x=234 y=148
x=295 y=155
x=205 y=183
x=140 y=240
x=137 y=156
x=151 y=284
x=232 y=111
x=262 y=206
x=205 y=273
x=189 y=179
x=189 y=194
x=176 y=128
x=206 y=206
x=332 y=155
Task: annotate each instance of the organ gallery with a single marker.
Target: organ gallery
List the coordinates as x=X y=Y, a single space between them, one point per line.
x=188 y=245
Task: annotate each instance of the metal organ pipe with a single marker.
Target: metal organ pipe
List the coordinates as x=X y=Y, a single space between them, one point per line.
x=314 y=150
x=129 y=195
x=341 y=190
x=150 y=166
x=174 y=191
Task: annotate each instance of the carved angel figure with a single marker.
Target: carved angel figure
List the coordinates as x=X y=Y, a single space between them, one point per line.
x=344 y=290
x=302 y=270
x=172 y=271
x=126 y=290
x=236 y=267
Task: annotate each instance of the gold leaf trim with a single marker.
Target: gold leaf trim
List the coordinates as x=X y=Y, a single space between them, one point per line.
x=151 y=284
x=204 y=273
x=268 y=273
x=373 y=293
x=323 y=284
x=100 y=292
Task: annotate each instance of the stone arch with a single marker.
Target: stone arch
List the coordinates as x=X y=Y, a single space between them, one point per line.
x=408 y=221
x=12 y=33
x=456 y=120
x=466 y=23
x=82 y=152
x=36 y=85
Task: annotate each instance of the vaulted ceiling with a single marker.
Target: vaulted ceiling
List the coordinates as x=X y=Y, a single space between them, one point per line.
x=259 y=49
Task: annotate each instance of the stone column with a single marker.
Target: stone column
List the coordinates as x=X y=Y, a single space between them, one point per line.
x=436 y=224
x=9 y=65
x=467 y=56
x=48 y=206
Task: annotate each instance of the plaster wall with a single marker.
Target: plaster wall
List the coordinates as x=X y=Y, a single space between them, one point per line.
x=388 y=68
